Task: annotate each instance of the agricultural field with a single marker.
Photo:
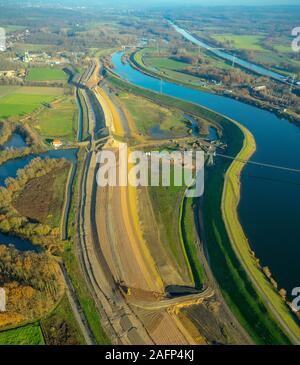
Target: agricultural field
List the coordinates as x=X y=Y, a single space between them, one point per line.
x=22 y=47
x=248 y=42
x=46 y=74
x=167 y=63
x=6 y=90
x=58 y=120
x=30 y=334
x=42 y=198
x=13 y=28
x=172 y=69
x=19 y=101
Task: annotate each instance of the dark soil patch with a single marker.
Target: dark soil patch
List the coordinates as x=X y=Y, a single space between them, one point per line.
x=42 y=198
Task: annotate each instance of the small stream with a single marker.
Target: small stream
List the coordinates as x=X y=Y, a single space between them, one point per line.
x=80 y=117
x=212 y=131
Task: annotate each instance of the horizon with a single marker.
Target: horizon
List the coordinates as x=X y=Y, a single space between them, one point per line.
x=155 y=3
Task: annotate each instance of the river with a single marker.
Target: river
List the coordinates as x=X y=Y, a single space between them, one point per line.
x=228 y=57
x=270 y=199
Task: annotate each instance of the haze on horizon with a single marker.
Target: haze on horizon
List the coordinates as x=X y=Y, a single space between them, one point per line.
x=150 y=3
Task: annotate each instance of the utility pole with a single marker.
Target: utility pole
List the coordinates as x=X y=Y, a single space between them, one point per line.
x=233 y=60
x=292 y=84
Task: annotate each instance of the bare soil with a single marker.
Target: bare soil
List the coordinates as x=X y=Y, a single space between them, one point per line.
x=42 y=198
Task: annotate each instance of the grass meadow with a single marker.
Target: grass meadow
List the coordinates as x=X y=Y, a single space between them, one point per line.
x=59 y=120
x=46 y=74
x=30 y=334
x=20 y=101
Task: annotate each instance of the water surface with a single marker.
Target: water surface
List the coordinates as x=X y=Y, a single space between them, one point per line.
x=15 y=141
x=228 y=57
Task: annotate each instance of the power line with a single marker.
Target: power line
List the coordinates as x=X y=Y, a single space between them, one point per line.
x=271 y=179
x=210 y=162
x=259 y=163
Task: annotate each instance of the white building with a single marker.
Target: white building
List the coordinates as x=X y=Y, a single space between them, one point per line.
x=2 y=40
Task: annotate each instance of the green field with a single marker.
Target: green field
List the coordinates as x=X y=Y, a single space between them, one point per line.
x=30 y=334
x=22 y=47
x=283 y=48
x=171 y=69
x=13 y=28
x=167 y=63
x=165 y=67
x=18 y=102
x=46 y=74
x=249 y=42
x=146 y=115
x=60 y=120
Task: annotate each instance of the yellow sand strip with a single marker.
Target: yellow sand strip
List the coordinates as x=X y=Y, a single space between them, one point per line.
x=139 y=247
x=112 y=117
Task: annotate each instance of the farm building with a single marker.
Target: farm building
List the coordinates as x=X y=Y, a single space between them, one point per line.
x=56 y=143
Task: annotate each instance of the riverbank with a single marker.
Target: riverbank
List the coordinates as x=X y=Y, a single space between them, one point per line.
x=136 y=62
x=237 y=288
x=229 y=206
